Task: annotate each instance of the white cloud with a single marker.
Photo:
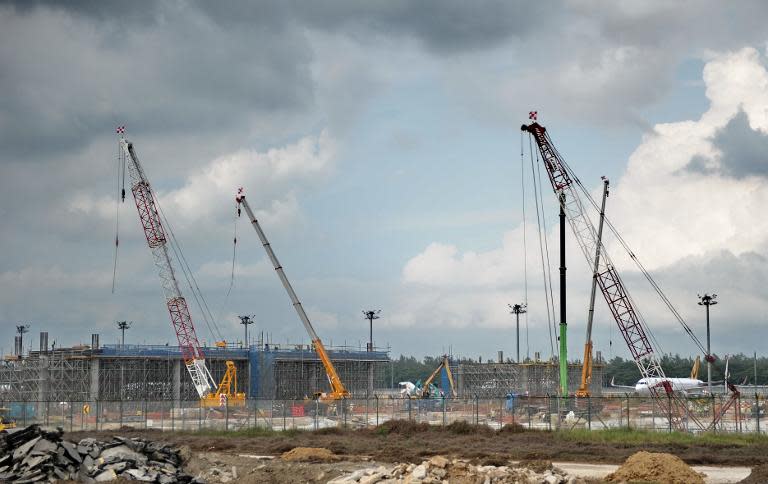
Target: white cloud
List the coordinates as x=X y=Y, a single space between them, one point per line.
x=269 y=179
x=673 y=217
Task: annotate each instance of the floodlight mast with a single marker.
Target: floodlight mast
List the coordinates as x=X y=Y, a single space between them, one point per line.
x=338 y=391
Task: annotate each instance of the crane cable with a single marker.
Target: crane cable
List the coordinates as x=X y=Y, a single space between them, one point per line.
x=632 y=256
x=189 y=276
x=546 y=244
x=541 y=250
x=525 y=247
x=121 y=198
x=232 y=275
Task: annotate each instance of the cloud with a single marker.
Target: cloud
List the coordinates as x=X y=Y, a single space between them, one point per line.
x=696 y=230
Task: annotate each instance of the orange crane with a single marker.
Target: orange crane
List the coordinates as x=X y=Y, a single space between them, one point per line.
x=338 y=391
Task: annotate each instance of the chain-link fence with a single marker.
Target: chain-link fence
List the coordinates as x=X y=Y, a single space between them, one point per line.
x=746 y=414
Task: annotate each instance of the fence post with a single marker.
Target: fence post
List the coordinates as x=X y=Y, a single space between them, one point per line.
x=714 y=426
x=284 y=409
x=344 y=410
x=200 y=414
x=71 y=415
x=409 y=408
x=477 y=410
x=757 y=409
x=317 y=410
x=144 y=404
x=443 y=410
x=628 y=424
x=377 y=409
x=589 y=412
x=669 y=412
x=121 y=413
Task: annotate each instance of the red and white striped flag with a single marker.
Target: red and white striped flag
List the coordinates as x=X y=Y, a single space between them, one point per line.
x=533 y=115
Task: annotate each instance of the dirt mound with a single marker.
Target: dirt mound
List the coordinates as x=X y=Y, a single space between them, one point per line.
x=653 y=467
x=309 y=454
x=536 y=465
x=759 y=475
x=462 y=427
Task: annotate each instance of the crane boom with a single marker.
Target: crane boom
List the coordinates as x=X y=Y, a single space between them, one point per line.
x=338 y=390
x=150 y=220
x=614 y=291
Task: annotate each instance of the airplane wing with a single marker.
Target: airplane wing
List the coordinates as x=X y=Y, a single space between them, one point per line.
x=613 y=385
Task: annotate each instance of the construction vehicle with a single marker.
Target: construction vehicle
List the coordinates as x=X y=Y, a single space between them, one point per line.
x=6 y=422
x=695 y=368
x=226 y=394
x=633 y=328
x=338 y=390
x=150 y=218
x=428 y=390
x=586 y=370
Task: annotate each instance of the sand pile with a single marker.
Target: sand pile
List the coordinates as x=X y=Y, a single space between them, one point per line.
x=653 y=467
x=309 y=454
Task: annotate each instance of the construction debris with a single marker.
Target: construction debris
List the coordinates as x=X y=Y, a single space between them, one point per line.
x=655 y=467
x=34 y=455
x=439 y=469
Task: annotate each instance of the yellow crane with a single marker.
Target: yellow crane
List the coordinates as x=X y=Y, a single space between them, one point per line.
x=586 y=369
x=226 y=393
x=338 y=390
x=695 y=368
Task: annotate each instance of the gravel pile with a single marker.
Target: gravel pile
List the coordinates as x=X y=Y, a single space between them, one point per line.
x=439 y=469
x=34 y=455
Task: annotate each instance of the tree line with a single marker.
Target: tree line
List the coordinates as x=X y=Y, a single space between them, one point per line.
x=624 y=372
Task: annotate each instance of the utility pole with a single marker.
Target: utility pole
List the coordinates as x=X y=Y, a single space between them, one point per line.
x=21 y=329
x=370 y=315
x=245 y=321
x=517 y=310
x=708 y=300
x=563 y=324
x=122 y=326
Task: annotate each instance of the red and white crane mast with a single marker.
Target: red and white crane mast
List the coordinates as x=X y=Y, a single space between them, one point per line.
x=194 y=359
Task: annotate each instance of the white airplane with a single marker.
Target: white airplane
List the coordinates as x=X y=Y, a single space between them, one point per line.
x=682 y=385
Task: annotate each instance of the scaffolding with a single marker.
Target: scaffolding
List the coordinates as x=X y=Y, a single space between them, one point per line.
x=492 y=380
x=156 y=373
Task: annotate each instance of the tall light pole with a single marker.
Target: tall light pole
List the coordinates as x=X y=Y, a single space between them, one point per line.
x=245 y=321
x=122 y=326
x=708 y=300
x=517 y=310
x=370 y=315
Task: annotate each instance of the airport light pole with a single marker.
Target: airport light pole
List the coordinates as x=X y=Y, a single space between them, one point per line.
x=517 y=310
x=122 y=326
x=245 y=320
x=370 y=315
x=708 y=300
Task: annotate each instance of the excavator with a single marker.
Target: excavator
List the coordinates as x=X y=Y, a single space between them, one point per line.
x=6 y=422
x=427 y=389
x=338 y=390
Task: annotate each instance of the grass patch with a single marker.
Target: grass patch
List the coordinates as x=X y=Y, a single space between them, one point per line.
x=644 y=437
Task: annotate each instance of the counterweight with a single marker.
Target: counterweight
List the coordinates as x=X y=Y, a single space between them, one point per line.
x=194 y=359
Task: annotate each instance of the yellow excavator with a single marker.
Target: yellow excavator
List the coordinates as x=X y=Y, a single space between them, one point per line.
x=425 y=391
x=338 y=390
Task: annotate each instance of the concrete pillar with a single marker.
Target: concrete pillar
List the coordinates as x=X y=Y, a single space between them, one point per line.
x=94 y=391
x=43 y=387
x=176 y=382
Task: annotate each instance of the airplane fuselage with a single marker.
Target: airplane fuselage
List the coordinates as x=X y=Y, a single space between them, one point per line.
x=644 y=385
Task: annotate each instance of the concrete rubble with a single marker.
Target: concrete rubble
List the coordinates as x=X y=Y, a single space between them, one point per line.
x=439 y=469
x=34 y=455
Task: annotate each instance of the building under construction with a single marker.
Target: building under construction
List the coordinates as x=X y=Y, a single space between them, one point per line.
x=153 y=372
x=533 y=377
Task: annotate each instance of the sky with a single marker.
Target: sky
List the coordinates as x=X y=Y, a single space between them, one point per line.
x=379 y=144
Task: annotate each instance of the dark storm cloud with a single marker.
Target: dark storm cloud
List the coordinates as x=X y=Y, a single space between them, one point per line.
x=67 y=75
x=743 y=151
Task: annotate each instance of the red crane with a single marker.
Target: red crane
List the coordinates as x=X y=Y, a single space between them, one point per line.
x=631 y=326
x=150 y=219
